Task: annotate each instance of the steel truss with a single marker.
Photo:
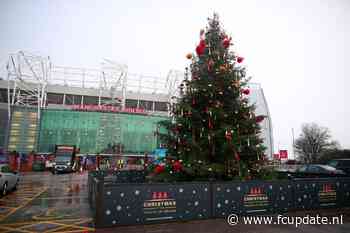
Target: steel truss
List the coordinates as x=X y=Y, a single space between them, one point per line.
x=29 y=75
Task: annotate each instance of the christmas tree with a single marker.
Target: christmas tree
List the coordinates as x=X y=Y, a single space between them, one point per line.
x=214 y=131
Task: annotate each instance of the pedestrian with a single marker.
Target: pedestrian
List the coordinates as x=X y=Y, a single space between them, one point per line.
x=18 y=158
x=85 y=161
x=98 y=158
x=145 y=161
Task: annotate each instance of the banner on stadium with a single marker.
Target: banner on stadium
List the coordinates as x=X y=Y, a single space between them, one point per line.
x=106 y=108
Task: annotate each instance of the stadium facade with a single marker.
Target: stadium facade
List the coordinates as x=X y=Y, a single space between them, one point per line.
x=42 y=105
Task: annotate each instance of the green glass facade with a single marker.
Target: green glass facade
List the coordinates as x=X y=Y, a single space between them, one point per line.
x=94 y=132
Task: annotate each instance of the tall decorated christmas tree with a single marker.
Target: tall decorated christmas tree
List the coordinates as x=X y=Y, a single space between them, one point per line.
x=214 y=131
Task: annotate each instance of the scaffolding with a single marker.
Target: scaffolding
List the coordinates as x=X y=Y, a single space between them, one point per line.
x=173 y=81
x=27 y=76
x=30 y=75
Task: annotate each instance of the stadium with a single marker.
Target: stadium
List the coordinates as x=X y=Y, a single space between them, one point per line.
x=42 y=105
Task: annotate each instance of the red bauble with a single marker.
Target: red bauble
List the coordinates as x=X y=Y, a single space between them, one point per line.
x=177 y=166
x=202 y=43
x=246 y=91
x=228 y=135
x=210 y=65
x=237 y=156
x=240 y=59
x=226 y=42
x=259 y=119
x=210 y=124
x=159 y=169
x=200 y=48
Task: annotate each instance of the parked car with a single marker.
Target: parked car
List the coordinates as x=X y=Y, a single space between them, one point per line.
x=317 y=171
x=341 y=164
x=8 y=179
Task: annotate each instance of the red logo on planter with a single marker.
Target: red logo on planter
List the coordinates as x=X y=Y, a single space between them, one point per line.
x=327 y=188
x=255 y=191
x=160 y=195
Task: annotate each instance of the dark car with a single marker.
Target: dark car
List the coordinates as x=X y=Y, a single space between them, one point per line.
x=341 y=164
x=317 y=171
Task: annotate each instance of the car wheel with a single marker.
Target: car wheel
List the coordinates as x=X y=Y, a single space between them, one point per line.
x=4 y=189
x=15 y=187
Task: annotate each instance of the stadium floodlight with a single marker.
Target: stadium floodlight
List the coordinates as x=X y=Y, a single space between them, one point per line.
x=27 y=76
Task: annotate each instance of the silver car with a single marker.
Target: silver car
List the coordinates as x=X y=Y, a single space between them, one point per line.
x=8 y=179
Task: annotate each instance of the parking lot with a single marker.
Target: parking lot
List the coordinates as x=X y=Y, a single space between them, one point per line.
x=47 y=203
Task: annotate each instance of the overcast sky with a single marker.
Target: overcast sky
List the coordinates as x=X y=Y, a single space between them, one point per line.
x=297 y=50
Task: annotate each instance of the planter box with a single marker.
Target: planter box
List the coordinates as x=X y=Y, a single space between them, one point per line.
x=253 y=197
x=129 y=204
x=129 y=176
x=345 y=191
x=321 y=193
x=116 y=203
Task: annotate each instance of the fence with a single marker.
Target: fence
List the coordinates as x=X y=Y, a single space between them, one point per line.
x=115 y=203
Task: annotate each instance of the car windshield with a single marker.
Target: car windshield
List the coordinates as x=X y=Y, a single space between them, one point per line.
x=333 y=163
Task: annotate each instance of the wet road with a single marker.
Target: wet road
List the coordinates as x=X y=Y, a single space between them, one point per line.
x=47 y=203
x=58 y=203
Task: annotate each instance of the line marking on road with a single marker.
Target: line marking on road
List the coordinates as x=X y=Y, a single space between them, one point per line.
x=63 y=197
x=21 y=227
x=77 y=231
x=63 y=226
x=23 y=205
x=9 y=229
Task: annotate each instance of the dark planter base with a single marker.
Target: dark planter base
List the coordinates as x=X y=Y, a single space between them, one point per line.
x=142 y=203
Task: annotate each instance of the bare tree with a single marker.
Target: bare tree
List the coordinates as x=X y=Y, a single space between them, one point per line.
x=313 y=140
